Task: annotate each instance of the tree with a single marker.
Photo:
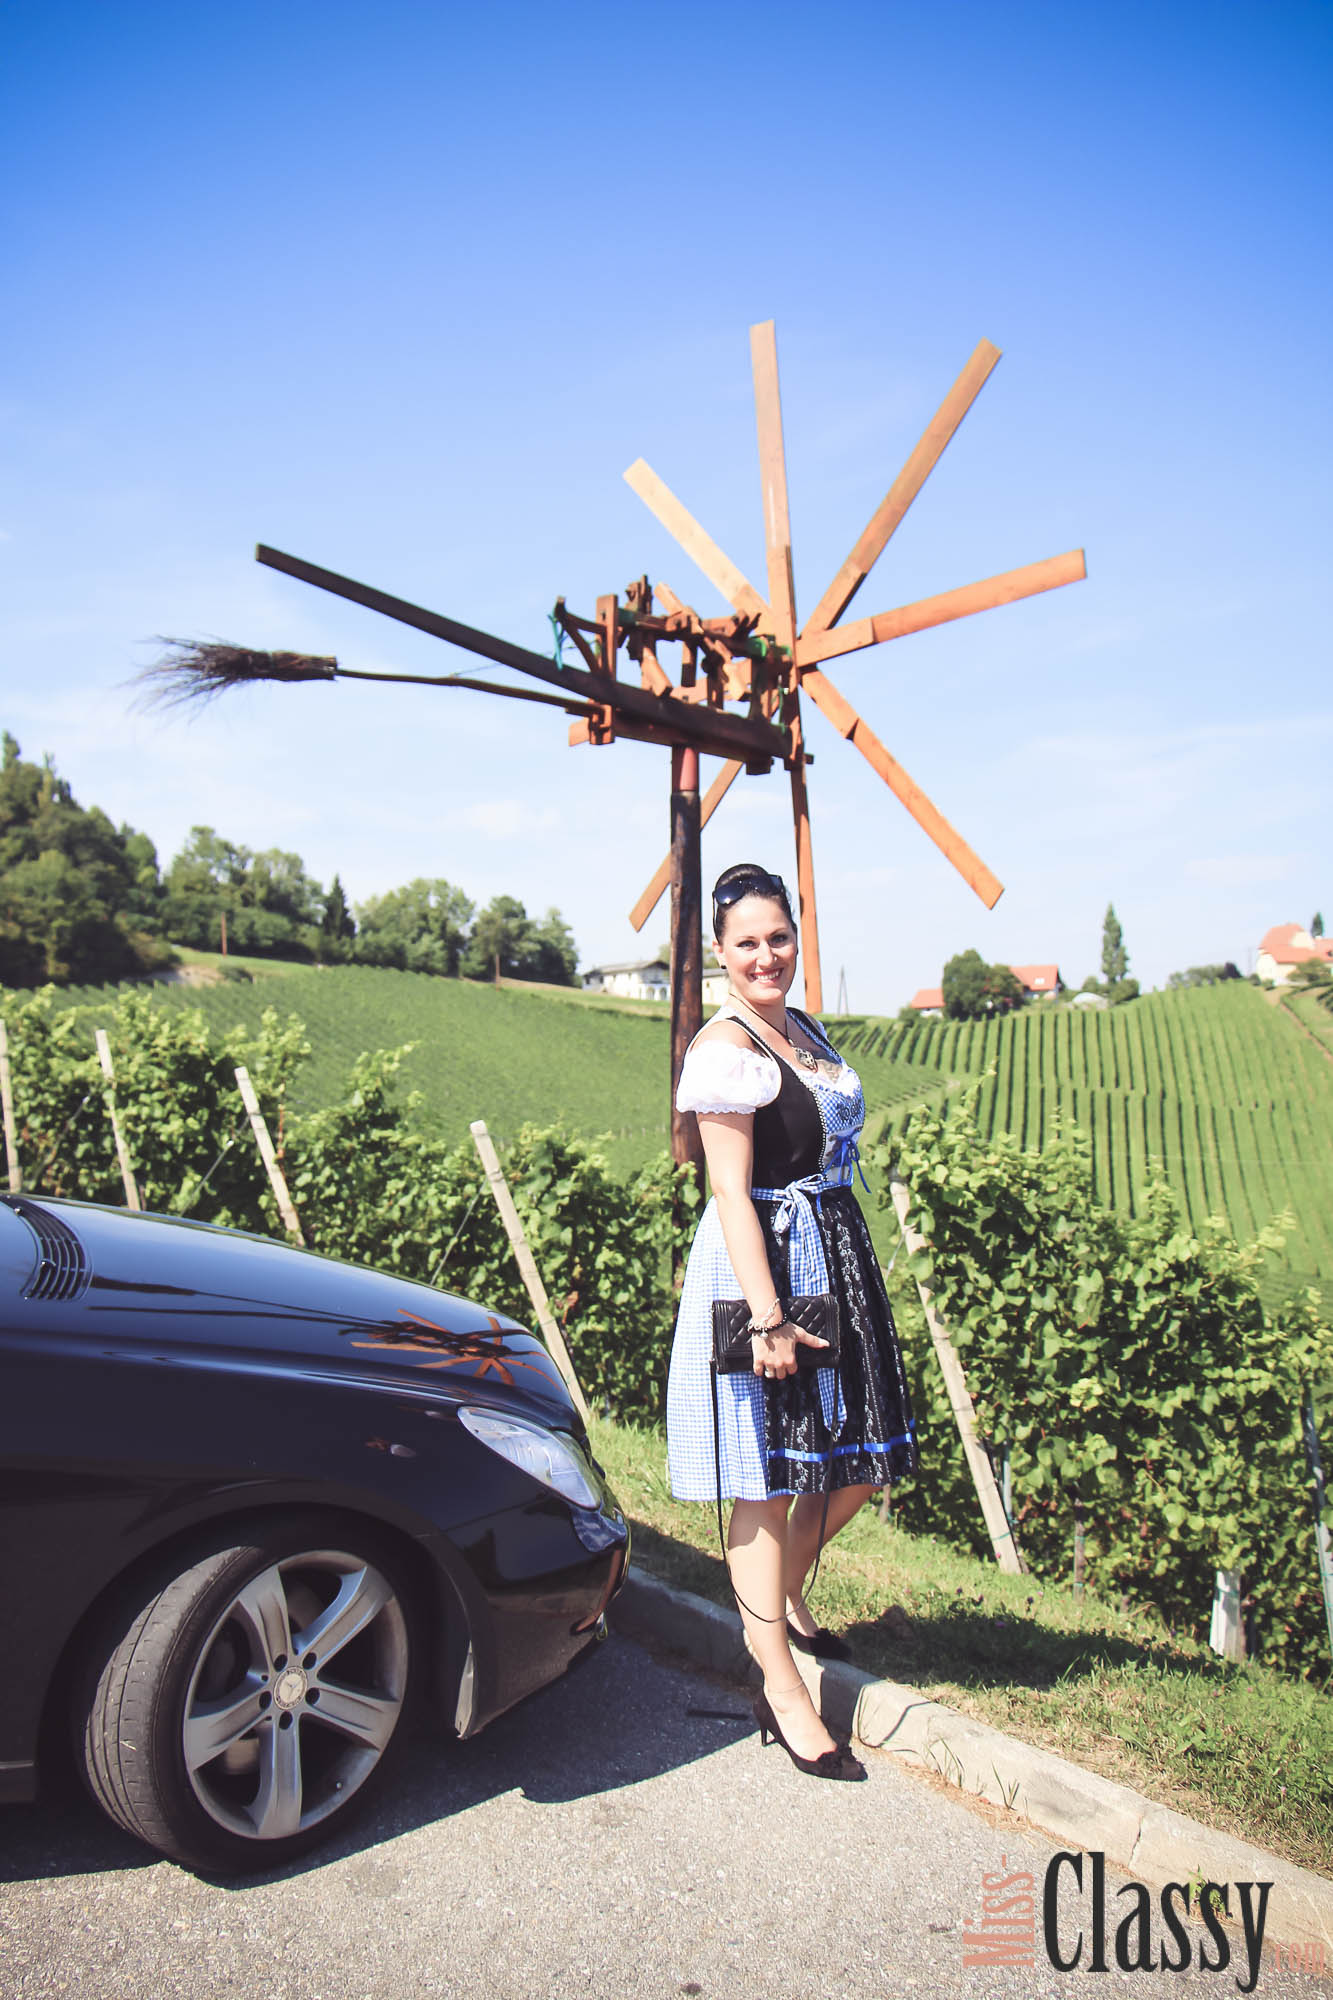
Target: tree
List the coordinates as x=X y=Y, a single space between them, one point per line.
x=1115 y=959
x=554 y=955
x=505 y=936
x=421 y=927
x=501 y=942
x=972 y=989
x=1204 y=975
x=336 y=926
x=277 y=883
x=1317 y=924
x=73 y=888
x=267 y=901
x=203 y=889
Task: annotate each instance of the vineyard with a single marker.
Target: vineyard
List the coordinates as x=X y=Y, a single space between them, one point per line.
x=597 y=1066
x=510 y=1058
x=1214 y=1086
x=1230 y=1096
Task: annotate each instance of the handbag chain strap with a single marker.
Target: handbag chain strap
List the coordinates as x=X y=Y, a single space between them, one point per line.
x=721 y=1534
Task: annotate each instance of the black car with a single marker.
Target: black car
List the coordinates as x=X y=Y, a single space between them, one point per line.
x=260 y=1508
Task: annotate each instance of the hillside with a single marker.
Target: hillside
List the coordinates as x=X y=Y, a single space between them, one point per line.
x=505 y=1056
x=511 y=1056
x=1232 y=1095
x=1216 y=1085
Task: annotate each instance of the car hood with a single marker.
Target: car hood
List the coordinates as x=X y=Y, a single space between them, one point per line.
x=197 y=1290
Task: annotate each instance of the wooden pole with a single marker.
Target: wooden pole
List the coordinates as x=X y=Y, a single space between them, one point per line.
x=7 y=1102
x=687 y=994
x=277 y=1179
x=805 y=877
x=1323 y=1541
x=960 y=1402
x=122 y=1150
x=661 y=881
x=523 y=1257
x=1226 y=1630
x=782 y=602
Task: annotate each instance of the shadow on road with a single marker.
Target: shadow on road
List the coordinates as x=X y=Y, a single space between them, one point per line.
x=617 y=1719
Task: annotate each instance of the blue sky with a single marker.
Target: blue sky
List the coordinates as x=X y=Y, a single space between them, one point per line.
x=404 y=290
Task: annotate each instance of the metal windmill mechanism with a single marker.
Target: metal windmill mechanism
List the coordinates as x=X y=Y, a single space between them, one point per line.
x=757 y=657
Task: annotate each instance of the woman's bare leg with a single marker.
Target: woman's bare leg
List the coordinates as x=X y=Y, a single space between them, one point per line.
x=803 y=1543
x=757 y=1546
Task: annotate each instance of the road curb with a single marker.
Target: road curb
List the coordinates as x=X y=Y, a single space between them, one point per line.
x=1063 y=1799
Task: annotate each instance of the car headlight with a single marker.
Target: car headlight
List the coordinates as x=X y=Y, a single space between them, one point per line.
x=542 y=1454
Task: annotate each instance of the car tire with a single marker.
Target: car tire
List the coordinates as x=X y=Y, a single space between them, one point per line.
x=242 y=1707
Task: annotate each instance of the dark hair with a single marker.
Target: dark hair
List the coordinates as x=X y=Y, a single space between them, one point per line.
x=747 y=878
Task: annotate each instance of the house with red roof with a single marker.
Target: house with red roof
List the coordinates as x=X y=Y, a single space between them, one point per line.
x=1039 y=982
x=1285 y=947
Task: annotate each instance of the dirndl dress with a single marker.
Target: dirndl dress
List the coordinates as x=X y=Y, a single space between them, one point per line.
x=849 y=1425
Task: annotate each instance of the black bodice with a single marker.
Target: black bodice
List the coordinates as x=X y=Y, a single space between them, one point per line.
x=789 y=1132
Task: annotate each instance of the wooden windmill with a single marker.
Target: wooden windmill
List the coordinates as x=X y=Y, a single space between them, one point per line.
x=756 y=656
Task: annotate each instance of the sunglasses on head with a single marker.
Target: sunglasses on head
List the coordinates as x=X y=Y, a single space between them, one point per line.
x=750 y=885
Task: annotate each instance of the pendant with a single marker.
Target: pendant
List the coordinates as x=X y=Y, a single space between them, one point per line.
x=805 y=1059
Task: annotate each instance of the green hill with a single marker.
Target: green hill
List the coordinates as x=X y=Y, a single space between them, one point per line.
x=511 y=1056
x=505 y=1056
x=1225 y=1092
x=1230 y=1094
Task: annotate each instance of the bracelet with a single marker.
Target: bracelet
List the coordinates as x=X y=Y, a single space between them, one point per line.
x=766 y=1323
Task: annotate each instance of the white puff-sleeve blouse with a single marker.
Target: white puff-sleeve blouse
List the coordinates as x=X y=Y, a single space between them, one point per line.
x=717 y=1076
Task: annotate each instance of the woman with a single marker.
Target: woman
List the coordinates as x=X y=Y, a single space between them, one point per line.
x=779 y=1113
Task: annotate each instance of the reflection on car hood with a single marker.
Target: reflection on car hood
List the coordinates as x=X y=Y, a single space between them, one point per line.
x=188 y=1286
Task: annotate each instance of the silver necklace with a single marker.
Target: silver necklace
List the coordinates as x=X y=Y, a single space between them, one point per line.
x=803 y=1056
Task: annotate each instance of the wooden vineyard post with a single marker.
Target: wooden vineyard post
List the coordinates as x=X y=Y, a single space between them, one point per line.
x=277 y=1179
x=1226 y=1629
x=523 y=1257
x=687 y=1003
x=7 y=1103
x=122 y=1150
x=960 y=1402
x=1321 y=1534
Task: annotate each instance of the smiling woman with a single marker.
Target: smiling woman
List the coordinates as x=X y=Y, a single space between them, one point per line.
x=799 y=1443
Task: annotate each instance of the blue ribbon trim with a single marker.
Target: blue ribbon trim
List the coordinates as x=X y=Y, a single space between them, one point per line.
x=877 y=1450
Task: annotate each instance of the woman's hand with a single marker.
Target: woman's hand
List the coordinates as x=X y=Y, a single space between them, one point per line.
x=775 y=1352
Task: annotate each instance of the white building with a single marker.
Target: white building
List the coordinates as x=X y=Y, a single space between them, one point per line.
x=715 y=984
x=650 y=979
x=1285 y=947
x=640 y=979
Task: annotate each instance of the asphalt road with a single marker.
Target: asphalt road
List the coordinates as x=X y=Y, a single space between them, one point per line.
x=604 y=1842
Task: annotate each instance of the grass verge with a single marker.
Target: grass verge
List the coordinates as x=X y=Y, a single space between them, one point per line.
x=1241 y=1748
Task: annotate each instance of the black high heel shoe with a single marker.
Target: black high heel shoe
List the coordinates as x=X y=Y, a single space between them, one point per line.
x=823 y=1644
x=837 y=1763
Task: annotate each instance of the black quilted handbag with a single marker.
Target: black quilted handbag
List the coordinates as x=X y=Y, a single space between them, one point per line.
x=813 y=1312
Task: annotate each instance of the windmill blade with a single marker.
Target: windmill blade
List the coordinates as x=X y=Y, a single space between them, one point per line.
x=904 y=489
x=782 y=601
x=1006 y=588
x=927 y=816
x=773 y=481
x=697 y=543
x=661 y=881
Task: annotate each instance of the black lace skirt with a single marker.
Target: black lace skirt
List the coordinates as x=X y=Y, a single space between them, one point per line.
x=871 y=1440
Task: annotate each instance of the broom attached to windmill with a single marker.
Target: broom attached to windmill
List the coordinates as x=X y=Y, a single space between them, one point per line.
x=739 y=677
